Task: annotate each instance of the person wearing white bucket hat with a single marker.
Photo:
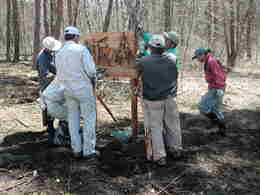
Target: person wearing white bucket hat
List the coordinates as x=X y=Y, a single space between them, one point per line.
x=51 y=44
x=76 y=72
x=45 y=65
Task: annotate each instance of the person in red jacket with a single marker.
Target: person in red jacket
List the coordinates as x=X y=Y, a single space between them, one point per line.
x=216 y=78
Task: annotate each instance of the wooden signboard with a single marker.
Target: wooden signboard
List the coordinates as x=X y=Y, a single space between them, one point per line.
x=113 y=50
x=116 y=51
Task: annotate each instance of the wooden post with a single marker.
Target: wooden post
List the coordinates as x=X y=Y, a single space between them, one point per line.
x=134 y=107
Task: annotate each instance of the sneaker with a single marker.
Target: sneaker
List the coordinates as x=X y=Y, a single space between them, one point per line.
x=77 y=155
x=92 y=156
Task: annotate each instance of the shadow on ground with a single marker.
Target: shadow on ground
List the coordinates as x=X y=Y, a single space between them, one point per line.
x=211 y=165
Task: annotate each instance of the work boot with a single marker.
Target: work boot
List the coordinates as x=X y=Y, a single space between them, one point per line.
x=51 y=132
x=221 y=128
x=213 y=120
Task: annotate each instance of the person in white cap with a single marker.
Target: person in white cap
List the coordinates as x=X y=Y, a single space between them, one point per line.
x=159 y=79
x=45 y=65
x=76 y=72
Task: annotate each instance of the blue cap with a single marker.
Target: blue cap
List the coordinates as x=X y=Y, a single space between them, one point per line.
x=199 y=52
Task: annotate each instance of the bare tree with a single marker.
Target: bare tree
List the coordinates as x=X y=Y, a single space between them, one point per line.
x=251 y=18
x=108 y=16
x=52 y=16
x=8 y=31
x=16 y=31
x=59 y=19
x=168 y=19
x=76 y=13
x=37 y=28
x=45 y=18
x=208 y=13
x=69 y=12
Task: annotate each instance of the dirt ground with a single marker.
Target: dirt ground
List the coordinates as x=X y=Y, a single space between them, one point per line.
x=211 y=165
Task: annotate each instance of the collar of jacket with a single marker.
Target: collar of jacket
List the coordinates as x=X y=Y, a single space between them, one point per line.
x=69 y=42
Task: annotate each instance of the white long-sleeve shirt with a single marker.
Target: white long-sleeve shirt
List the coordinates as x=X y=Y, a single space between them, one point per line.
x=75 y=66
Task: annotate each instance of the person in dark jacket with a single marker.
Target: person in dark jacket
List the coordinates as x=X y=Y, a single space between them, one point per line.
x=159 y=79
x=45 y=66
x=215 y=76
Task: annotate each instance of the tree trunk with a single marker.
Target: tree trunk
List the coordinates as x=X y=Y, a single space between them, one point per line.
x=87 y=18
x=108 y=16
x=59 y=19
x=249 y=28
x=45 y=18
x=52 y=16
x=69 y=11
x=16 y=31
x=215 y=20
x=167 y=8
x=8 y=31
x=76 y=13
x=209 y=22
x=37 y=28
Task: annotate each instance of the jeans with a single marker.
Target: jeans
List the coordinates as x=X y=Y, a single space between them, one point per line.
x=211 y=103
x=82 y=102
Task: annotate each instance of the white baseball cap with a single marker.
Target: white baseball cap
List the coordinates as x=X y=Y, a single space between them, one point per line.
x=71 y=30
x=51 y=43
x=157 y=41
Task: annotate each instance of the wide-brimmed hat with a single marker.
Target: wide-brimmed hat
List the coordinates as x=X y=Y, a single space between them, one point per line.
x=51 y=43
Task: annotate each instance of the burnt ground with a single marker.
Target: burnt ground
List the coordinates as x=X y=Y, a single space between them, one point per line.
x=211 y=165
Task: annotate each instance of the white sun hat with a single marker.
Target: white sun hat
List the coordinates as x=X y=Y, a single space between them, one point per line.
x=51 y=43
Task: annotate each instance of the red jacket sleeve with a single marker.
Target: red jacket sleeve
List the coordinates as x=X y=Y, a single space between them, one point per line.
x=218 y=75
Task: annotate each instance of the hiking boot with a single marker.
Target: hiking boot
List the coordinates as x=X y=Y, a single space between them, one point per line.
x=77 y=155
x=213 y=120
x=221 y=128
x=161 y=162
x=176 y=153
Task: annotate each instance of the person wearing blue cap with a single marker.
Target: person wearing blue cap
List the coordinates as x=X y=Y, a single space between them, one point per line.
x=76 y=72
x=216 y=78
x=159 y=82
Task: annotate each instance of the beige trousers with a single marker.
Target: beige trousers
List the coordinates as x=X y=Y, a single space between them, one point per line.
x=162 y=119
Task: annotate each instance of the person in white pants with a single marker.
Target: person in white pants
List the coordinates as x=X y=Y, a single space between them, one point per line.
x=76 y=72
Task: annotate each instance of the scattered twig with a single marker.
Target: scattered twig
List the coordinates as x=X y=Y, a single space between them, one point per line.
x=172 y=182
x=16 y=185
x=21 y=123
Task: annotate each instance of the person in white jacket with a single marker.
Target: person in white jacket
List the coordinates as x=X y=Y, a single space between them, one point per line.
x=76 y=72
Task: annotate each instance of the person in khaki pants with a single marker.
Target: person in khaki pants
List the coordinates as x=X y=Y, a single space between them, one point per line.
x=159 y=79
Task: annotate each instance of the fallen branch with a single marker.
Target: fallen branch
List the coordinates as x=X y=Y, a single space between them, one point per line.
x=21 y=123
